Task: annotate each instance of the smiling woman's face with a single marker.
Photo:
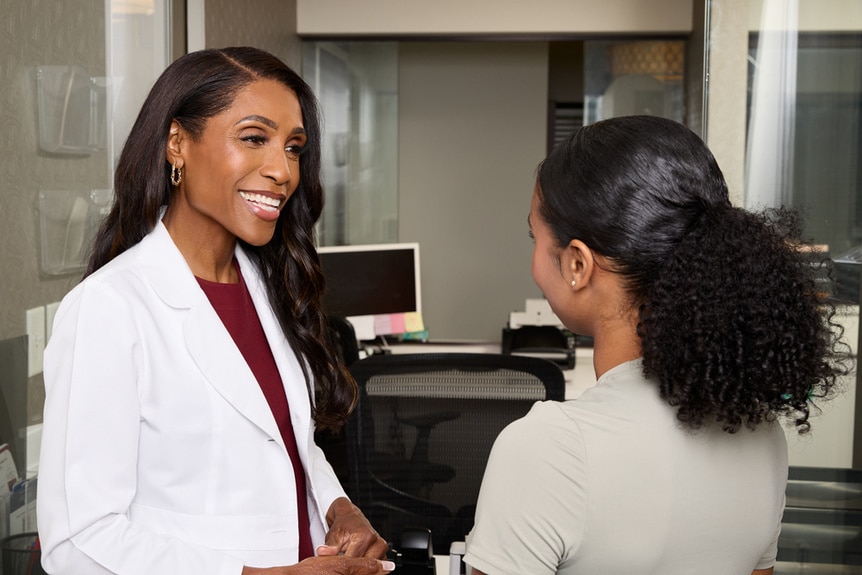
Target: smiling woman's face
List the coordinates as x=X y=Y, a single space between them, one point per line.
x=239 y=173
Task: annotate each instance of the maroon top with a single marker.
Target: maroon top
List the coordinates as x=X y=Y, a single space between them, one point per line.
x=234 y=306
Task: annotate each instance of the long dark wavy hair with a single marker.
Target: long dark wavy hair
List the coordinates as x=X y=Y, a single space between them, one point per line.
x=734 y=323
x=194 y=88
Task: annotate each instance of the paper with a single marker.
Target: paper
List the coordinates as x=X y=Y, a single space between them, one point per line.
x=8 y=471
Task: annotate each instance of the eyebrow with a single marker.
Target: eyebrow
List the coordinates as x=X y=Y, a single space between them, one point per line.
x=261 y=119
x=266 y=121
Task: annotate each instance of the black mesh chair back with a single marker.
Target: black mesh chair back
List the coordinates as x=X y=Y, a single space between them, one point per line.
x=343 y=337
x=423 y=427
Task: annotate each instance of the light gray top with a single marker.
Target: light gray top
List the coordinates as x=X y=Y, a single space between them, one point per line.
x=610 y=483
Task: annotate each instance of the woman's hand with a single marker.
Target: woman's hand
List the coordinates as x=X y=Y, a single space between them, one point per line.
x=350 y=533
x=331 y=565
x=352 y=547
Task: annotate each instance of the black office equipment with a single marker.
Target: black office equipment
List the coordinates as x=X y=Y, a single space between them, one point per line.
x=423 y=427
x=821 y=531
x=546 y=341
x=415 y=556
x=13 y=399
x=371 y=279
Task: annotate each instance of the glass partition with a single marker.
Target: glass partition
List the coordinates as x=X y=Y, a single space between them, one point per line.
x=783 y=87
x=357 y=84
x=628 y=77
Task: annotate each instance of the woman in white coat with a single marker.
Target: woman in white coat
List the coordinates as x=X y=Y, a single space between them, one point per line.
x=182 y=372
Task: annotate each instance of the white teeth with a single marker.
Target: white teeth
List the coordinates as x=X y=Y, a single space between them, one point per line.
x=264 y=201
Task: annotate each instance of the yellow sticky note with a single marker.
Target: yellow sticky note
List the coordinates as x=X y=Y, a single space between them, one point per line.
x=413 y=322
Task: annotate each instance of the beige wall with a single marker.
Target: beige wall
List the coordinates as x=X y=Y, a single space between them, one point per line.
x=266 y=24
x=472 y=120
x=497 y=17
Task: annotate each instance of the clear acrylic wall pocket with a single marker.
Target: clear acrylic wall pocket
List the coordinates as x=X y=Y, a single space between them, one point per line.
x=69 y=220
x=72 y=110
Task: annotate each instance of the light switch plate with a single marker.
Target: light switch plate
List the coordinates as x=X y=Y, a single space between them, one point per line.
x=35 y=340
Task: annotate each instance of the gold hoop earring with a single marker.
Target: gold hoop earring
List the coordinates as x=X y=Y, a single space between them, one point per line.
x=176 y=175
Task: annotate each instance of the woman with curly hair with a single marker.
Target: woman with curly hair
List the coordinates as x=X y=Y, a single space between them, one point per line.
x=181 y=373
x=709 y=329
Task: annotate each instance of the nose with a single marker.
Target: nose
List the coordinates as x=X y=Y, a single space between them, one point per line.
x=278 y=167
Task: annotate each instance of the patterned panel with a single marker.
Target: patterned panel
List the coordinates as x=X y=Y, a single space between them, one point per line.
x=660 y=58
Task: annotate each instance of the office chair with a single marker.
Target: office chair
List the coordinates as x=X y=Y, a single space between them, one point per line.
x=342 y=337
x=423 y=427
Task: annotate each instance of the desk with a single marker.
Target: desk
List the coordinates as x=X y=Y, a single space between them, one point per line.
x=445 y=567
x=442 y=564
x=580 y=378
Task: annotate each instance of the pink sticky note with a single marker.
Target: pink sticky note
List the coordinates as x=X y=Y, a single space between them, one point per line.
x=396 y=320
x=382 y=325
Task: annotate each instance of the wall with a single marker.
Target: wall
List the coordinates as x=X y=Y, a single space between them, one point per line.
x=266 y=24
x=464 y=180
x=500 y=17
x=472 y=122
x=38 y=32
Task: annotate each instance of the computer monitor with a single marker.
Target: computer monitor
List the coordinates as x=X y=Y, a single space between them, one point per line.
x=372 y=283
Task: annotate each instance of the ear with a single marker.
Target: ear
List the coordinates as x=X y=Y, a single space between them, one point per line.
x=580 y=264
x=176 y=144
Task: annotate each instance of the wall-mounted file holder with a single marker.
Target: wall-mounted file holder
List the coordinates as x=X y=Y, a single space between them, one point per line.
x=69 y=220
x=72 y=110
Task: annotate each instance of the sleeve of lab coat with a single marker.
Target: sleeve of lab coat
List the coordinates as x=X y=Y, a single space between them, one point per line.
x=89 y=458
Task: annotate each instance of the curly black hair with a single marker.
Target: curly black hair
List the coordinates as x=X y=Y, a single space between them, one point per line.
x=736 y=328
x=735 y=321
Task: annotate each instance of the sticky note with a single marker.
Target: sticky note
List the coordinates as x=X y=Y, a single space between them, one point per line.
x=413 y=322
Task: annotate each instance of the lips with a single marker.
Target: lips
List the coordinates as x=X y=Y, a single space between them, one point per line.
x=261 y=201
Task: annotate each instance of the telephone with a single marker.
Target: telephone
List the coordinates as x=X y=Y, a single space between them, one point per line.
x=415 y=555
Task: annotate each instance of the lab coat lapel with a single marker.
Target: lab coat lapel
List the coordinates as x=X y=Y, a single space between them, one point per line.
x=286 y=360
x=208 y=341
x=222 y=364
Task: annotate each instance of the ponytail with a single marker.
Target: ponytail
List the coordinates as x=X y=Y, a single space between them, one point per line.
x=735 y=328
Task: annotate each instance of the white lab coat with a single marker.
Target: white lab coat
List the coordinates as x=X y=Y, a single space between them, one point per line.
x=160 y=454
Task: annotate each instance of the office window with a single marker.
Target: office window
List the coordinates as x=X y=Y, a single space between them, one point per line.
x=783 y=89
x=804 y=146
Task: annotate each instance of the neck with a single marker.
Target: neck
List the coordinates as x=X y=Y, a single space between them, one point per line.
x=207 y=247
x=218 y=272
x=615 y=343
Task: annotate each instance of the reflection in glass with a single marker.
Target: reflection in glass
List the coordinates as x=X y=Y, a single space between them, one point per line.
x=803 y=136
x=633 y=77
x=357 y=85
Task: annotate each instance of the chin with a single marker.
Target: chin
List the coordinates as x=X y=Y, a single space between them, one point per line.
x=258 y=238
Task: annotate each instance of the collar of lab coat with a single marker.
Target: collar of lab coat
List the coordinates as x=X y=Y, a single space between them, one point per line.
x=212 y=347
